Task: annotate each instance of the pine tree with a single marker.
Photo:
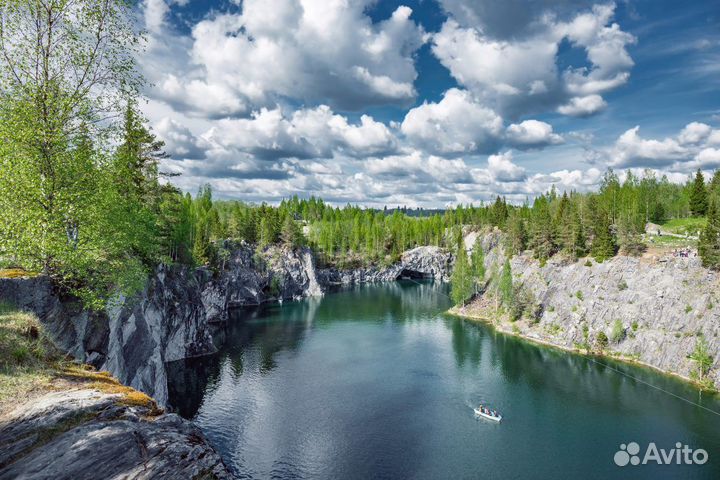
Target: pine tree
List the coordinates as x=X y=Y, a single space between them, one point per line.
x=516 y=236
x=578 y=242
x=461 y=281
x=603 y=244
x=505 y=285
x=698 y=196
x=543 y=234
x=499 y=212
x=267 y=232
x=709 y=242
x=290 y=234
x=137 y=159
x=629 y=239
x=478 y=264
x=714 y=187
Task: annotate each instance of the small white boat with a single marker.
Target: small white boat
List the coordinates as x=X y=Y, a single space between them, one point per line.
x=480 y=413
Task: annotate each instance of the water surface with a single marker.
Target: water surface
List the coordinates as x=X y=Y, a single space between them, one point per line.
x=376 y=382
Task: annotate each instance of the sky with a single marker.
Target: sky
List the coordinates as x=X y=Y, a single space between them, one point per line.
x=429 y=103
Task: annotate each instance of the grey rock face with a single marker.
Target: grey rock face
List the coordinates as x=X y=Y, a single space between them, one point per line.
x=426 y=262
x=85 y=434
x=662 y=306
x=180 y=308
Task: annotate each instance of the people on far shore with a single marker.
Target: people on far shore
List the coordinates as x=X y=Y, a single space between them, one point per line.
x=684 y=253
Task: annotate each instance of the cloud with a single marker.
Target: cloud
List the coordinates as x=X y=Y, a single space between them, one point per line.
x=155 y=11
x=502 y=169
x=417 y=167
x=519 y=74
x=631 y=150
x=509 y=19
x=583 y=106
x=694 y=132
x=706 y=159
x=456 y=124
x=690 y=149
x=179 y=140
x=317 y=51
x=307 y=133
x=532 y=134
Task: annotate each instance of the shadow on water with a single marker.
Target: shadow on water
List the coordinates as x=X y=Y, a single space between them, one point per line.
x=375 y=381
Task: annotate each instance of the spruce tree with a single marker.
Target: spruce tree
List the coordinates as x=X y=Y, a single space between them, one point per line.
x=461 y=281
x=629 y=239
x=543 y=232
x=698 y=196
x=478 y=264
x=505 y=286
x=603 y=244
x=578 y=244
x=516 y=236
x=267 y=232
x=290 y=234
x=714 y=187
x=709 y=242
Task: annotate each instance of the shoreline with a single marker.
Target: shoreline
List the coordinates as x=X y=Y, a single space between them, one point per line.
x=455 y=311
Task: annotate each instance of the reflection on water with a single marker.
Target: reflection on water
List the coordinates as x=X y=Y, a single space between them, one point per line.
x=376 y=382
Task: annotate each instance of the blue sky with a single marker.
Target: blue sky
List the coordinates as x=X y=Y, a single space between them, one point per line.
x=430 y=102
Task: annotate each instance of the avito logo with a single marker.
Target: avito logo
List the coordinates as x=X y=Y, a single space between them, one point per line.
x=680 y=455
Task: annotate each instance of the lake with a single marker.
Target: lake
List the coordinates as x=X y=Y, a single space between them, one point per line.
x=377 y=382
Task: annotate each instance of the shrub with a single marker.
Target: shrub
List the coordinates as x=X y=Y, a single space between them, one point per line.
x=275 y=286
x=702 y=358
x=602 y=341
x=588 y=263
x=622 y=285
x=579 y=295
x=688 y=309
x=618 y=332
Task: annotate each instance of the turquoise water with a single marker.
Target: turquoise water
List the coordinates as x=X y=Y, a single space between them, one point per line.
x=377 y=382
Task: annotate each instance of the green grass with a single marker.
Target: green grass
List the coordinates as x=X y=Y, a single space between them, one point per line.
x=683 y=226
x=27 y=357
x=670 y=242
x=29 y=362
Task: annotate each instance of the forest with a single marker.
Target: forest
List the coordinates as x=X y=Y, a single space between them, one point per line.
x=83 y=196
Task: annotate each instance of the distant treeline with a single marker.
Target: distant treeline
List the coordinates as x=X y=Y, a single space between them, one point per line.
x=599 y=224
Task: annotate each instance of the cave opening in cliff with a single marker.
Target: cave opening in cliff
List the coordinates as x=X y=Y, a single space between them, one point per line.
x=413 y=275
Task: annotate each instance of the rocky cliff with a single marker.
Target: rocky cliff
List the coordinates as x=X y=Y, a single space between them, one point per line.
x=181 y=311
x=657 y=307
x=79 y=431
x=420 y=262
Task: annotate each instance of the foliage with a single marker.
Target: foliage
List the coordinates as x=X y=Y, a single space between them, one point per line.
x=709 y=242
x=602 y=341
x=618 y=332
x=462 y=279
x=477 y=261
x=516 y=235
x=702 y=358
x=698 y=196
x=523 y=303
x=505 y=285
x=63 y=79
